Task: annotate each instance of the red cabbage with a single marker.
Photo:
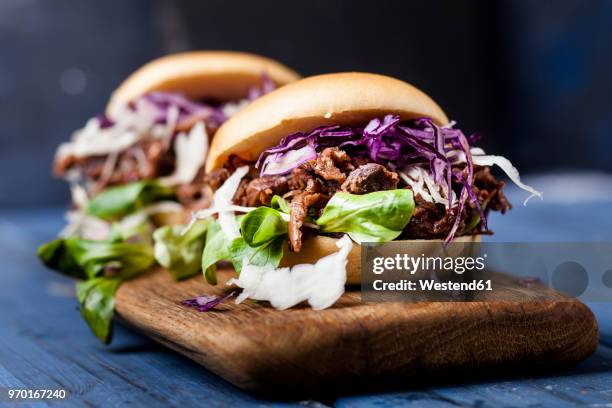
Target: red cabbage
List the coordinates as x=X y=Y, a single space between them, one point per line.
x=189 y=112
x=267 y=86
x=394 y=143
x=205 y=302
x=281 y=163
x=105 y=121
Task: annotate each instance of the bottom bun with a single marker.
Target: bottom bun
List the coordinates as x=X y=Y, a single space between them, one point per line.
x=314 y=248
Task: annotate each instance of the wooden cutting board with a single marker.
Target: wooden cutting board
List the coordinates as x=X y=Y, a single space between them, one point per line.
x=264 y=350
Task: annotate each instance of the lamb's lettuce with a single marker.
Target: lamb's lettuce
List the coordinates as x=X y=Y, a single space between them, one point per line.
x=261 y=226
x=280 y=204
x=216 y=249
x=97 y=299
x=180 y=254
x=86 y=259
x=89 y=260
x=133 y=232
x=375 y=217
x=268 y=254
x=263 y=233
x=115 y=202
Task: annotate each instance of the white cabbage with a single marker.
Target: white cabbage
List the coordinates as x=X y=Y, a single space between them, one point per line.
x=142 y=215
x=208 y=212
x=130 y=126
x=321 y=284
x=88 y=227
x=85 y=226
x=190 y=150
x=481 y=159
x=231 y=108
x=510 y=171
x=222 y=205
x=79 y=195
x=423 y=184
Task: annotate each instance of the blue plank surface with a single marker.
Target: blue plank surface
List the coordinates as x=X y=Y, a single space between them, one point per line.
x=588 y=384
x=44 y=343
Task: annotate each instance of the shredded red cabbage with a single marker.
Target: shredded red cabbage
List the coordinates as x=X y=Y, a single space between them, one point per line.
x=205 y=303
x=189 y=111
x=105 y=121
x=390 y=142
x=267 y=86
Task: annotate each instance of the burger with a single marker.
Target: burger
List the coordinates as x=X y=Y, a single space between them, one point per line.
x=305 y=174
x=159 y=121
x=134 y=168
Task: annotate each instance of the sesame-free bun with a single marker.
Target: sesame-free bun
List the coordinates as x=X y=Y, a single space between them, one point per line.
x=218 y=75
x=316 y=247
x=350 y=98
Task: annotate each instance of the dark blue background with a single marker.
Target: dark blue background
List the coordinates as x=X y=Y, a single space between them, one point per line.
x=532 y=77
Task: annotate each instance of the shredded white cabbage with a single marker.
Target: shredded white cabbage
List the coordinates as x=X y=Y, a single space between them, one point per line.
x=109 y=166
x=423 y=184
x=172 y=116
x=416 y=184
x=449 y=125
x=231 y=108
x=510 y=171
x=85 y=226
x=190 y=150
x=222 y=205
x=321 y=284
x=79 y=195
x=130 y=126
x=91 y=140
x=207 y=212
x=481 y=159
x=141 y=216
x=88 y=227
x=224 y=196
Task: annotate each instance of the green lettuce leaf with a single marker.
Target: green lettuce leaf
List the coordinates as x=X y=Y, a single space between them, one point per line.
x=269 y=254
x=115 y=202
x=280 y=204
x=97 y=299
x=180 y=254
x=102 y=265
x=216 y=249
x=85 y=259
x=261 y=226
x=375 y=217
x=133 y=232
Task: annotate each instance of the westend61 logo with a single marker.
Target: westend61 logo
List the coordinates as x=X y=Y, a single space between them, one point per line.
x=431 y=271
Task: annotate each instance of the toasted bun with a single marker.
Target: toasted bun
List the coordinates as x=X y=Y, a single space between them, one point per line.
x=220 y=75
x=350 y=99
x=314 y=248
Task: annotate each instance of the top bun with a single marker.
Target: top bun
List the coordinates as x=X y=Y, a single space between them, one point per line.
x=218 y=75
x=350 y=99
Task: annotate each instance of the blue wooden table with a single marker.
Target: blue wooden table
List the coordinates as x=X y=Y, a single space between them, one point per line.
x=45 y=344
